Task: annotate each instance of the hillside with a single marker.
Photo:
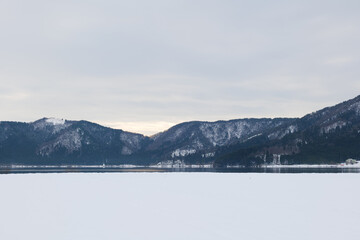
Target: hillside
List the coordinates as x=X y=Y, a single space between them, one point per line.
x=330 y=135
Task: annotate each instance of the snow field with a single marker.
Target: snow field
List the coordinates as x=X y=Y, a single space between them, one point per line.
x=179 y=206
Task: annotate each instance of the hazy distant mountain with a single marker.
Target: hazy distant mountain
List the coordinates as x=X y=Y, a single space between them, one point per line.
x=329 y=135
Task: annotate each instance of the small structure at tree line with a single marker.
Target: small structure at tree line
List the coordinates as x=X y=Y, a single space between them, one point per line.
x=350 y=161
x=276 y=159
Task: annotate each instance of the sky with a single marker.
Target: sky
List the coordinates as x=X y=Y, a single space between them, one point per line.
x=143 y=66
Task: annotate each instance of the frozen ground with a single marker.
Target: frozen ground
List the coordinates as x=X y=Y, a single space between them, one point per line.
x=169 y=206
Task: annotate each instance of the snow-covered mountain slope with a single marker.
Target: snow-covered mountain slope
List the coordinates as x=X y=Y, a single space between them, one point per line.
x=59 y=141
x=50 y=125
x=331 y=118
x=330 y=135
x=76 y=136
x=205 y=137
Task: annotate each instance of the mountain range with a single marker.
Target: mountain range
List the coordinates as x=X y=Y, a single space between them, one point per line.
x=330 y=135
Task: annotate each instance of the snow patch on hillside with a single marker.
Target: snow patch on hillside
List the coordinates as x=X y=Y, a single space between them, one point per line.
x=182 y=153
x=55 y=121
x=71 y=141
x=126 y=151
x=53 y=125
x=256 y=135
x=356 y=108
x=197 y=144
x=220 y=134
x=333 y=126
x=208 y=155
x=223 y=133
x=131 y=139
x=291 y=129
x=282 y=133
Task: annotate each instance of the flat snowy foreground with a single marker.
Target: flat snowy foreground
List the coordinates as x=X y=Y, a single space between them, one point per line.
x=180 y=206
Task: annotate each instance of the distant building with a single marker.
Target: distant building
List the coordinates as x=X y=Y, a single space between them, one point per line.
x=276 y=159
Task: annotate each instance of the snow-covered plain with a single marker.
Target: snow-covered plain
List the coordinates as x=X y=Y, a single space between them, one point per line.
x=179 y=206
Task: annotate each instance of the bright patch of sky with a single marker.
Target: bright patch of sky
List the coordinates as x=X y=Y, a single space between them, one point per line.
x=142 y=63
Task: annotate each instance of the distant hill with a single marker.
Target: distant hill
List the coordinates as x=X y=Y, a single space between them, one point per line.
x=330 y=135
x=54 y=141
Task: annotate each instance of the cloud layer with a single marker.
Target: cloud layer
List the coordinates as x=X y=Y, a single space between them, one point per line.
x=145 y=62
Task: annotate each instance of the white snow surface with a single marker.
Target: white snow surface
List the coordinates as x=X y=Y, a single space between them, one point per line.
x=55 y=124
x=55 y=121
x=179 y=206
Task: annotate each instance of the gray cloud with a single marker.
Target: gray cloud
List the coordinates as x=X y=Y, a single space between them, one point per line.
x=173 y=61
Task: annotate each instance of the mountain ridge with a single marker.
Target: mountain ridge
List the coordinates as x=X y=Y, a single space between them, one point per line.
x=248 y=141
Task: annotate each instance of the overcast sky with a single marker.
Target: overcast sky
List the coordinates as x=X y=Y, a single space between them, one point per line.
x=144 y=66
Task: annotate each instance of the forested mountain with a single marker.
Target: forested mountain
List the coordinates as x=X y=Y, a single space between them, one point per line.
x=56 y=141
x=327 y=136
x=330 y=135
